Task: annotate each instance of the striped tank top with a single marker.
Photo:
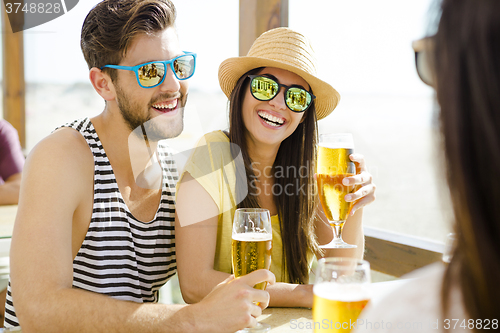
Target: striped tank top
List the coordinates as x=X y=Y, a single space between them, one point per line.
x=121 y=256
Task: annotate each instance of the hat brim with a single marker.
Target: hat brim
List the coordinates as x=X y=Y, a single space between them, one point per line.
x=232 y=69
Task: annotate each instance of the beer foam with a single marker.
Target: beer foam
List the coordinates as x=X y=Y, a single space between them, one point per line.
x=337 y=145
x=342 y=292
x=253 y=237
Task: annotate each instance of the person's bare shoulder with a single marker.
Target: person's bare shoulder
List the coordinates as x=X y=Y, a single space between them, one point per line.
x=66 y=146
x=60 y=162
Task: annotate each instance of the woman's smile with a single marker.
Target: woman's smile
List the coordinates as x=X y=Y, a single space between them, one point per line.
x=271 y=119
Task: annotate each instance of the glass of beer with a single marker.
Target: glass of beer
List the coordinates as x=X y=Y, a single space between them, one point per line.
x=340 y=293
x=333 y=166
x=252 y=243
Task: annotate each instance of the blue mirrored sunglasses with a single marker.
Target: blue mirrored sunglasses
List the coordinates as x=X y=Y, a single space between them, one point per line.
x=152 y=74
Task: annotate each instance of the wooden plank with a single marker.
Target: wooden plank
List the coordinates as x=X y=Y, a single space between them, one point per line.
x=13 y=74
x=397 y=254
x=258 y=16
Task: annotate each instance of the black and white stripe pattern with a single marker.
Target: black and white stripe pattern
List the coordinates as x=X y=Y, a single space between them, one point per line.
x=122 y=257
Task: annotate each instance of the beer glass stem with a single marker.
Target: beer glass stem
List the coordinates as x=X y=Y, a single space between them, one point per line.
x=337 y=241
x=337 y=231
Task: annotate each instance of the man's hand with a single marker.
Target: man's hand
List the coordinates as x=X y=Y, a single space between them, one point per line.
x=232 y=305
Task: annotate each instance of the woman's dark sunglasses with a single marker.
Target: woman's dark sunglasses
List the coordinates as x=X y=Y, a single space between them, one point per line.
x=265 y=89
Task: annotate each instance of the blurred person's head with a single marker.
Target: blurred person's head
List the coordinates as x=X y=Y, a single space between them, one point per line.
x=467 y=82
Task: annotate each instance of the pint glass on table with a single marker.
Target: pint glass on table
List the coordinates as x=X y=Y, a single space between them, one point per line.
x=251 y=246
x=252 y=242
x=333 y=166
x=340 y=293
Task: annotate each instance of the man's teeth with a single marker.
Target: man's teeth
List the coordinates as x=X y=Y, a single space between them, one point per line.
x=172 y=105
x=270 y=119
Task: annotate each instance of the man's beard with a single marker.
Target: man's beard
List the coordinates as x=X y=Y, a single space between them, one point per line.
x=157 y=128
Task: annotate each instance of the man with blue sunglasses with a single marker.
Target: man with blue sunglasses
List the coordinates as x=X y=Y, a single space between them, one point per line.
x=94 y=236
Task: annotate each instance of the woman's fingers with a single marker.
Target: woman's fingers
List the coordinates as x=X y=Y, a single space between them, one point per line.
x=362 y=178
x=360 y=160
x=363 y=202
x=362 y=192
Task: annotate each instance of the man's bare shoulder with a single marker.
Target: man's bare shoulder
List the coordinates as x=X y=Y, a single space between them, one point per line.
x=65 y=144
x=57 y=180
x=64 y=155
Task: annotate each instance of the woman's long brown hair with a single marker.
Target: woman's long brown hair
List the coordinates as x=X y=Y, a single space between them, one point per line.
x=296 y=206
x=467 y=65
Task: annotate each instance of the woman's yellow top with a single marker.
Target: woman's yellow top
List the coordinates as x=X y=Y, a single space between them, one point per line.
x=213 y=166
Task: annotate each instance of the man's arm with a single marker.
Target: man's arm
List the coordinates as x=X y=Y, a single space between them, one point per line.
x=56 y=181
x=9 y=191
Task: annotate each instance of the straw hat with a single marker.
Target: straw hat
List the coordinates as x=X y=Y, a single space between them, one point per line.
x=286 y=49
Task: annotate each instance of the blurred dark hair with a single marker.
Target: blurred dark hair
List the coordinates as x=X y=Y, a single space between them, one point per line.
x=467 y=65
x=296 y=208
x=110 y=27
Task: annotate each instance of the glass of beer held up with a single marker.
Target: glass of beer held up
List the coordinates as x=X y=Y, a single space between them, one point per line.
x=333 y=166
x=252 y=243
x=340 y=293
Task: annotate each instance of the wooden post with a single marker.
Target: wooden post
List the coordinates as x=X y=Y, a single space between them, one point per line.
x=13 y=74
x=258 y=16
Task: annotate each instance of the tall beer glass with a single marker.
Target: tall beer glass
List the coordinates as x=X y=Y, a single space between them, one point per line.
x=252 y=243
x=340 y=293
x=333 y=166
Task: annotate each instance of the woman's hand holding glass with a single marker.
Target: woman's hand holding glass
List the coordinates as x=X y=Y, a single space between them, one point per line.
x=342 y=179
x=363 y=181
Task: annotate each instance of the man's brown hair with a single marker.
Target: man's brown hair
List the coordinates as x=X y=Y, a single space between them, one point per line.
x=110 y=27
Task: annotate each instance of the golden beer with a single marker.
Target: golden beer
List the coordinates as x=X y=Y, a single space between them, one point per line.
x=250 y=252
x=331 y=195
x=336 y=310
x=334 y=165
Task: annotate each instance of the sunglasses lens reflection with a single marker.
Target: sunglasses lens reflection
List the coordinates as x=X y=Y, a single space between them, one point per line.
x=151 y=74
x=423 y=67
x=184 y=67
x=264 y=88
x=298 y=99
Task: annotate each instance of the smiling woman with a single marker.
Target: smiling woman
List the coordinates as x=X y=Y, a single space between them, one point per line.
x=275 y=98
x=273 y=113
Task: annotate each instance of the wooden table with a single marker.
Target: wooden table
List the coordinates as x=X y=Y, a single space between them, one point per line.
x=299 y=320
x=7 y=218
x=287 y=319
x=15 y=329
x=281 y=319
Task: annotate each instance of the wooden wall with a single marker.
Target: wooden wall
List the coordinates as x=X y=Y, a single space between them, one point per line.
x=258 y=16
x=13 y=75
